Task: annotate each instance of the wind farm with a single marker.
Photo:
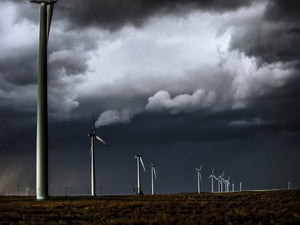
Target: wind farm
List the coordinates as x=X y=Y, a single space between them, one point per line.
x=209 y=89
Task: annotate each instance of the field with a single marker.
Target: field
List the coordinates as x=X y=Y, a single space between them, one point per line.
x=265 y=207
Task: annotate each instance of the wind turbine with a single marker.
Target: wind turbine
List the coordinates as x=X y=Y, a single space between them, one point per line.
x=232 y=187
x=27 y=190
x=153 y=176
x=227 y=183
x=199 y=177
x=42 y=106
x=93 y=135
x=212 y=177
x=139 y=160
x=240 y=186
x=221 y=181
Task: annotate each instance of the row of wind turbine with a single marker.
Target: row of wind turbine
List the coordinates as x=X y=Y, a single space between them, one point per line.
x=138 y=157
x=140 y=162
x=223 y=184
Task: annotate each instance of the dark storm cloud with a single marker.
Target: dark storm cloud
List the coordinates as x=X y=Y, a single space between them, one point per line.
x=283 y=10
x=273 y=37
x=67 y=63
x=280 y=106
x=112 y=14
x=16 y=70
x=67 y=49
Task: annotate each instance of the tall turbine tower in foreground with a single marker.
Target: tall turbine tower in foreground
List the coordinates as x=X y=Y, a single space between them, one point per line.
x=199 y=177
x=93 y=135
x=139 y=161
x=42 y=102
x=153 y=176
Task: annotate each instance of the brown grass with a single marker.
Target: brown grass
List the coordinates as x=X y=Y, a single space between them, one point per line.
x=269 y=207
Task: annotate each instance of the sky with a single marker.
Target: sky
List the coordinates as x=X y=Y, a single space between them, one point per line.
x=183 y=82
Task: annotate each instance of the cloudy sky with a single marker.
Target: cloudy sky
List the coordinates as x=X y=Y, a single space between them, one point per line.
x=184 y=82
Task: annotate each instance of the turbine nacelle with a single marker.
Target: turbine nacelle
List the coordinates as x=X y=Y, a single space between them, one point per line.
x=139 y=157
x=198 y=170
x=94 y=134
x=152 y=166
x=43 y=1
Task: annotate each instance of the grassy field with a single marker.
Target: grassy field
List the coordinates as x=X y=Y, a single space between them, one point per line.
x=266 y=207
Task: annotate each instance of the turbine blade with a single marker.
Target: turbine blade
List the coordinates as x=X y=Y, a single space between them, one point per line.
x=142 y=164
x=201 y=167
x=154 y=173
x=200 y=177
x=100 y=139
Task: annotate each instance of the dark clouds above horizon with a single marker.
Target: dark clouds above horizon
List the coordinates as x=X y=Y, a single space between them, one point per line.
x=213 y=82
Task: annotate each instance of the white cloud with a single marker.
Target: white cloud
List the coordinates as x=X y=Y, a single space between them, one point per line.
x=181 y=103
x=156 y=53
x=113 y=116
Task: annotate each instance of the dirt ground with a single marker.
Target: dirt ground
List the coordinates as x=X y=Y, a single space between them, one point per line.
x=260 y=207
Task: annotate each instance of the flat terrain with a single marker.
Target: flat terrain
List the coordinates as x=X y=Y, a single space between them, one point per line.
x=260 y=207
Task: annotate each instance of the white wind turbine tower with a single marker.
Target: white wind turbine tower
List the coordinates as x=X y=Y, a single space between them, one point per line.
x=139 y=160
x=240 y=186
x=27 y=190
x=221 y=180
x=217 y=183
x=227 y=183
x=232 y=187
x=153 y=176
x=93 y=135
x=42 y=100
x=212 y=177
x=199 y=177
